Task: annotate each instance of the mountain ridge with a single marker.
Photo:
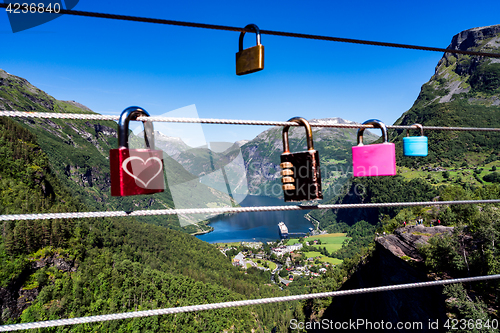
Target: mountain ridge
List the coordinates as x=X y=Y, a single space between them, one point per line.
x=78 y=153
x=262 y=156
x=464 y=92
x=121 y=261
x=63 y=268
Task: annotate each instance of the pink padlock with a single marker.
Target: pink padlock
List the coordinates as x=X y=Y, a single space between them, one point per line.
x=374 y=160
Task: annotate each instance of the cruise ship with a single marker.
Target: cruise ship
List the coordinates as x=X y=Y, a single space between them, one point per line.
x=283 y=229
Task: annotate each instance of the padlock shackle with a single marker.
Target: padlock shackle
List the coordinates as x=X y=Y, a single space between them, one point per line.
x=303 y=122
x=376 y=124
x=417 y=126
x=132 y=113
x=242 y=34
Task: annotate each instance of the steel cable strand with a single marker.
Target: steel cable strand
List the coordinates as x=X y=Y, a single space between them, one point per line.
x=50 y=115
x=222 y=305
x=45 y=216
x=265 y=32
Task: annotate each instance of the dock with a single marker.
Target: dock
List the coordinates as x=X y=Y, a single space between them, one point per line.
x=283 y=229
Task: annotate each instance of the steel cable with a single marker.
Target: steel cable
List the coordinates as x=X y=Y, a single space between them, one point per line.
x=313 y=123
x=222 y=210
x=136 y=314
x=225 y=305
x=265 y=32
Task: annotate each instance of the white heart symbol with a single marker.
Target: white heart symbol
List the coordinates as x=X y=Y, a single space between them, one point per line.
x=124 y=166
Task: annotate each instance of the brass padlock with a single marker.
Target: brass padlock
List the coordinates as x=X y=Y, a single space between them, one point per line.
x=252 y=59
x=301 y=172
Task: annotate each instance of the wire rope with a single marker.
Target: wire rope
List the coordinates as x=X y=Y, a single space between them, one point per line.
x=265 y=32
x=136 y=314
x=222 y=210
x=225 y=305
x=313 y=123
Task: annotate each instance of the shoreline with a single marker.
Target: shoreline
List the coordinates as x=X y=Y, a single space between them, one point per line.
x=231 y=227
x=312 y=220
x=202 y=232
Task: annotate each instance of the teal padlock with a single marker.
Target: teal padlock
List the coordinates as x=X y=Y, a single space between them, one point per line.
x=415 y=145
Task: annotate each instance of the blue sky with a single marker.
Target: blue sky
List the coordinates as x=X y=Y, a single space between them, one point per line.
x=109 y=65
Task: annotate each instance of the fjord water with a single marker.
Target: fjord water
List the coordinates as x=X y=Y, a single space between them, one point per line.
x=255 y=226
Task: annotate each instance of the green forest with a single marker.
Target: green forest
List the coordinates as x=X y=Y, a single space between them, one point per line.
x=63 y=268
x=80 y=267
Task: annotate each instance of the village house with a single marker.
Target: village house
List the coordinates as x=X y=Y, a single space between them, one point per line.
x=279 y=251
x=239 y=260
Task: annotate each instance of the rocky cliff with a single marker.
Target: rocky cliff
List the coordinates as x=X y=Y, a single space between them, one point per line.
x=19 y=294
x=395 y=261
x=472 y=78
x=472 y=74
x=464 y=91
x=405 y=241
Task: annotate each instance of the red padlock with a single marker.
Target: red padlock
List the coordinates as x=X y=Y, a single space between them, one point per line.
x=135 y=171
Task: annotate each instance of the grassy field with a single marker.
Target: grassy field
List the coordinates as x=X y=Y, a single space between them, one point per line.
x=333 y=261
x=271 y=264
x=227 y=244
x=332 y=242
x=292 y=241
x=436 y=177
x=314 y=254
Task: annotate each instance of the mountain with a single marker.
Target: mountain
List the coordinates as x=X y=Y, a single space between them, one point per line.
x=169 y=144
x=62 y=268
x=219 y=175
x=262 y=156
x=473 y=78
x=464 y=91
x=78 y=151
x=252 y=167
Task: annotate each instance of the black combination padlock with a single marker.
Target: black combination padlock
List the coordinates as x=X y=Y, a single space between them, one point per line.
x=301 y=175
